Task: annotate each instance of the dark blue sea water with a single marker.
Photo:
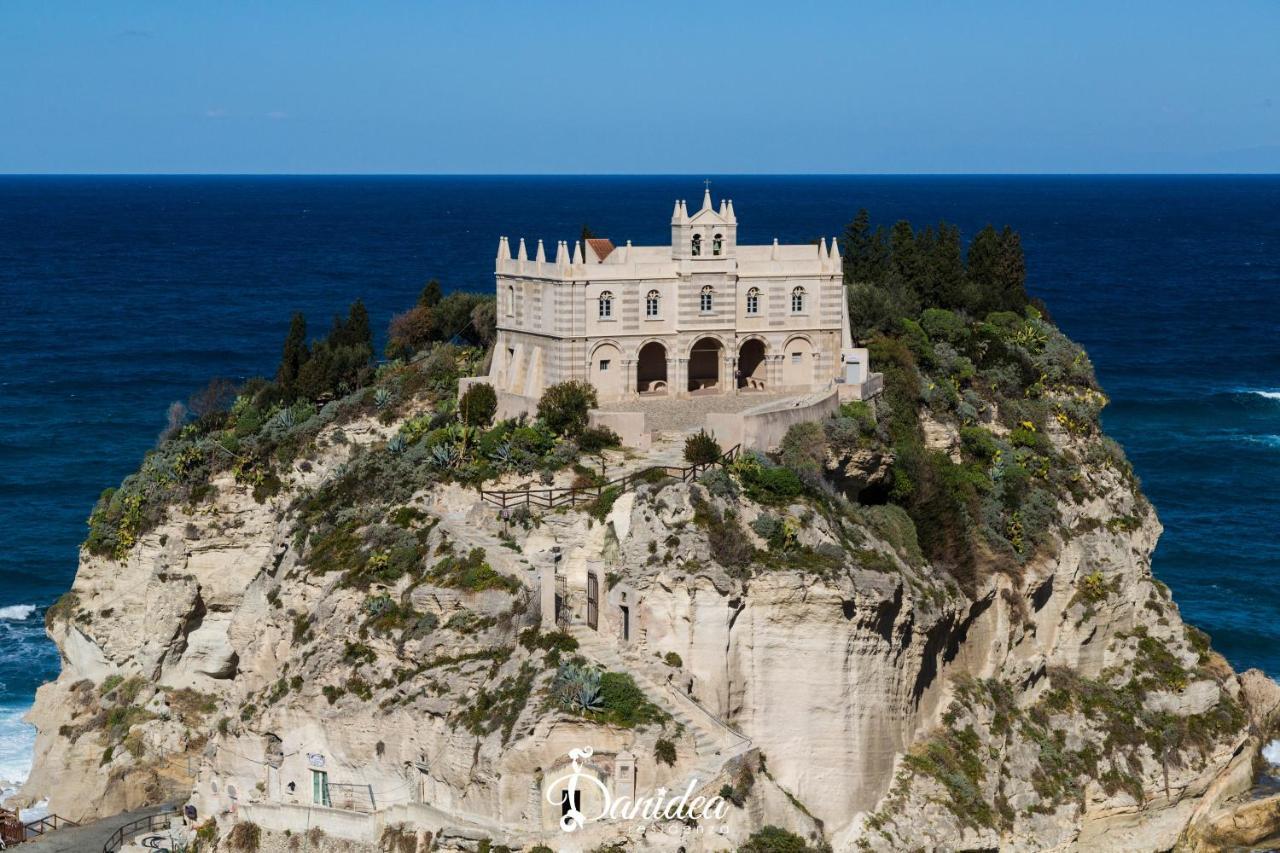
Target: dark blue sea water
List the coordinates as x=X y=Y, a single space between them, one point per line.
x=121 y=294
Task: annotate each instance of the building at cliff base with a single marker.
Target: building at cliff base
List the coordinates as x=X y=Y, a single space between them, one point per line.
x=703 y=315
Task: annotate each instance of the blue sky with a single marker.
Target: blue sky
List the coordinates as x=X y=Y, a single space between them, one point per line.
x=631 y=87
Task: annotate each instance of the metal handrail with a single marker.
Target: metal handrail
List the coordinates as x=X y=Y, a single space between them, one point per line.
x=148 y=824
x=550 y=498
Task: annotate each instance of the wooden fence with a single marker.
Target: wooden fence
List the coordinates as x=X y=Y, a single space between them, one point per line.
x=551 y=498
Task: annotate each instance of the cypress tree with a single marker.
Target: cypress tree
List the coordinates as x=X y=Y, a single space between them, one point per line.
x=295 y=354
x=946 y=266
x=1011 y=271
x=431 y=294
x=905 y=257
x=358 y=332
x=981 y=269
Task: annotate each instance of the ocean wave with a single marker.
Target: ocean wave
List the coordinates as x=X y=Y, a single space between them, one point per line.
x=1270 y=395
x=17 y=612
x=17 y=740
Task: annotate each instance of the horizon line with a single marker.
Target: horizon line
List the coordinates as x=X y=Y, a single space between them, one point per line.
x=1118 y=174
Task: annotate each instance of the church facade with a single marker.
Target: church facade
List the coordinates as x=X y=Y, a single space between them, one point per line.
x=703 y=315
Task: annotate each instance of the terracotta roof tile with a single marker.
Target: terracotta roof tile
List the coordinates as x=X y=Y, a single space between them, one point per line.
x=601 y=246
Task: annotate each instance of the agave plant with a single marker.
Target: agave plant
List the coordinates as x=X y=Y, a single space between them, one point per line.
x=577 y=688
x=444 y=455
x=285 y=419
x=504 y=455
x=381 y=398
x=397 y=444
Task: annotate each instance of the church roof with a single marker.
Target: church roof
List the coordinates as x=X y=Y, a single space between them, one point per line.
x=601 y=246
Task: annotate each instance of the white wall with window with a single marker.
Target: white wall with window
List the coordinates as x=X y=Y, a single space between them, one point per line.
x=605 y=303
x=705 y=299
x=797 y=300
x=652 y=304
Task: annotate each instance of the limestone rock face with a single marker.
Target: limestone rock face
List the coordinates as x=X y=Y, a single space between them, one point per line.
x=806 y=658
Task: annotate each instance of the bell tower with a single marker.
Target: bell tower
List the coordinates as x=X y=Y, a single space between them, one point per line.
x=709 y=234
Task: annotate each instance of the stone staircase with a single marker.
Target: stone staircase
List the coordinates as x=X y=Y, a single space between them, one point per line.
x=714 y=742
x=457 y=518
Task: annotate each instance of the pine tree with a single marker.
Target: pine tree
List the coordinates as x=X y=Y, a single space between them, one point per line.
x=295 y=354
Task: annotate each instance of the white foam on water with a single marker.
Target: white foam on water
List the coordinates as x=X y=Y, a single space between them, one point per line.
x=17 y=612
x=1270 y=395
x=1271 y=752
x=17 y=740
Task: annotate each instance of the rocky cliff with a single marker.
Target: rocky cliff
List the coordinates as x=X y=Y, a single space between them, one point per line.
x=929 y=623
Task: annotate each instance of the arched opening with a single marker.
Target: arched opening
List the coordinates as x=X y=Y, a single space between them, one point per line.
x=751 y=366
x=717 y=244
x=797 y=364
x=697 y=245
x=607 y=373
x=651 y=369
x=704 y=365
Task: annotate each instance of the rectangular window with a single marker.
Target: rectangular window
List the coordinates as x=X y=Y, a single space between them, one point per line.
x=795 y=358
x=604 y=364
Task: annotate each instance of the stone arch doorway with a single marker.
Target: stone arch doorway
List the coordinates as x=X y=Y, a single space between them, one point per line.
x=751 y=365
x=797 y=364
x=704 y=365
x=607 y=371
x=651 y=369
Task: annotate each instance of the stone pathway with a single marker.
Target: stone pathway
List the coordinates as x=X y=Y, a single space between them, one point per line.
x=688 y=414
x=88 y=837
x=715 y=742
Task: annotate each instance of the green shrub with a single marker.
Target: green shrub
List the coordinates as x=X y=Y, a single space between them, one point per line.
x=624 y=704
x=471 y=573
x=245 y=837
x=701 y=448
x=595 y=439
x=478 y=405
x=564 y=407
x=804 y=452
x=943 y=325
x=767 y=483
x=774 y=839
x=664 y=752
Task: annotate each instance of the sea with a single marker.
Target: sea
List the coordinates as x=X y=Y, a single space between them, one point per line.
x=122 y=294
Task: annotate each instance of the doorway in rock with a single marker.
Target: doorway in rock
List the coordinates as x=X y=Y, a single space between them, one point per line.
x=751 y=365
x=593 y=601
x=651 y=369
x=626 y=623
x=704 y=365
x=567 y=805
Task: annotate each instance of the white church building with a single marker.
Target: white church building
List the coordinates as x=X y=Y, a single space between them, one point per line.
x=703 y=315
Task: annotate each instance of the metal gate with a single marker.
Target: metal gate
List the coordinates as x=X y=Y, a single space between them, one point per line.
x=593 y=600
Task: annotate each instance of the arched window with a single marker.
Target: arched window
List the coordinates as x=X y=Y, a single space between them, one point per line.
x=651 y=304
x=511 y=299
x=697 y=245
x=797 y=301
x=717 y=243
x=753 y=301
x=704 y=302
x=606 y=305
